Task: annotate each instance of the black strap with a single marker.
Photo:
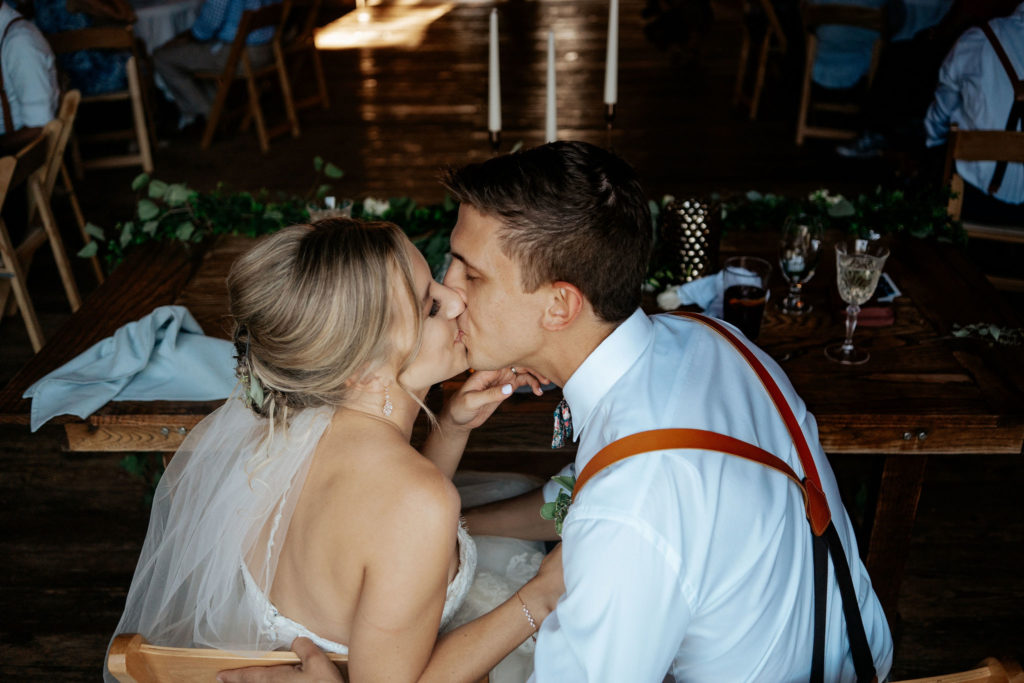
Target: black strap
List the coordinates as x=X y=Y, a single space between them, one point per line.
x=1016 y=116
x=820 y=598
x=8 y=119
x=863 y=663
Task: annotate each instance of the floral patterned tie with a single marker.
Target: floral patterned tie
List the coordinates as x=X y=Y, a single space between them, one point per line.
x=563 y=425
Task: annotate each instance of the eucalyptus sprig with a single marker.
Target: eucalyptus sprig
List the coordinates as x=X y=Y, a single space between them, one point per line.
x=559 y=508
x=993 y=334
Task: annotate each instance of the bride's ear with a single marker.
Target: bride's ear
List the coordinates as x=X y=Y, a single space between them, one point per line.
x=565 y=304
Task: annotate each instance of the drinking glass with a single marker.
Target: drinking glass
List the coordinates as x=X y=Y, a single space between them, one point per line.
x=799 y=253
x=745 y=285
x=858 y=266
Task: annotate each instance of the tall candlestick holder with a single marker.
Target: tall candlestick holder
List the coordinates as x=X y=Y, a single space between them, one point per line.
x=495 y=138
x=609 y=121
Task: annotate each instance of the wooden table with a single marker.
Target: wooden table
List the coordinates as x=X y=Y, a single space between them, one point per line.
x=923 y=392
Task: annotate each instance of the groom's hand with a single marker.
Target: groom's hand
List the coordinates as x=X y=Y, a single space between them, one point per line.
x=482 y=393
x=315 y=667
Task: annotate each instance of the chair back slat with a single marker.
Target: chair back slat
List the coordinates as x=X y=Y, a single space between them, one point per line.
x=845 y=15
x=118 y=37
x=988 y=145
x=132 y=660
x=34 y=156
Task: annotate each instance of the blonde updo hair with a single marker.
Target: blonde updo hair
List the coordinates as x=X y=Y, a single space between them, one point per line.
x=313 y=306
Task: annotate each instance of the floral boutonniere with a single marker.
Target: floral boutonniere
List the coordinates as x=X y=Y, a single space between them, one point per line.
x=558 y=509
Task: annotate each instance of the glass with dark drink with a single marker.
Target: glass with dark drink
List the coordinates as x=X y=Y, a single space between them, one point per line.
x=745 y=283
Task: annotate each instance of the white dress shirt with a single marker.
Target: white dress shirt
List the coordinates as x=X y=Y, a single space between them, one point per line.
x=30 y=74
x=692 y=563
x=974 y=92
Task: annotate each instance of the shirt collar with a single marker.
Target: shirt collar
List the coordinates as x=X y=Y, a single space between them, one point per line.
x=604 y=366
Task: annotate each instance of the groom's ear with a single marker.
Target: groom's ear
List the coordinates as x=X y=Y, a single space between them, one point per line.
x=565 y=303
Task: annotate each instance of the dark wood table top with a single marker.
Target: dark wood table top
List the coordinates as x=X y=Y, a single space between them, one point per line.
x=923 y=391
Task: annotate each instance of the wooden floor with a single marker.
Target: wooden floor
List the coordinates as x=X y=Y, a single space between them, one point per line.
x=71 y=525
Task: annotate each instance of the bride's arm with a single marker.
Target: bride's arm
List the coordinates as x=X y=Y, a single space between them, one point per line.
x=474 y=402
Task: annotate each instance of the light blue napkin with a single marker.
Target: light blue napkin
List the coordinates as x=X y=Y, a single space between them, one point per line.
x=162 y=357
x=705 y=292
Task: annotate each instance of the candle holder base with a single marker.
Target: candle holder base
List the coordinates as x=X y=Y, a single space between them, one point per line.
x=495 y=138
x=609 y=121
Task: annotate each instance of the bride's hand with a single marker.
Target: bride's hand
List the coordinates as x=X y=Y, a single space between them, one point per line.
x=483 y=392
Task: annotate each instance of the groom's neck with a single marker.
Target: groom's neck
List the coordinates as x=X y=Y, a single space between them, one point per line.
x=566 y=349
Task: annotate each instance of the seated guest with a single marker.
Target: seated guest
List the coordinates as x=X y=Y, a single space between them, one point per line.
x=28 y=80
x=981 y=87
x=93 y=72
x=205 y=48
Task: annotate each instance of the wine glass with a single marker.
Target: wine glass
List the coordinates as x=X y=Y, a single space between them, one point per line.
x=799 y=253
x=858 y=266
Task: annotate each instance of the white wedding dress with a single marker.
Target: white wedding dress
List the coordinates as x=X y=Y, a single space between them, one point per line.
x=219 y=518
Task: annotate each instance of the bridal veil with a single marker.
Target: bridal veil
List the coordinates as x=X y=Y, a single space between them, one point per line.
x=226 y=498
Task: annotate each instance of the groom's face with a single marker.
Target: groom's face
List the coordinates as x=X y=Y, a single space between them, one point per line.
x=501 y=323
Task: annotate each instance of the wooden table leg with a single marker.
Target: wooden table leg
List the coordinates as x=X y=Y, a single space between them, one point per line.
x=895 y=512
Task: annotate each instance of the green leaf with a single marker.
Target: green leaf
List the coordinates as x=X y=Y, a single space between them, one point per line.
x=547 y=510
x=567 y=483
x=184 y=231
x=318 y=163
x=126 y=234
x=177 y=194
x=449 y=203
x=89 y=250
x=332 y=171
x=322 y=191
x=149 y=227
x=516 y=147
x=273 y=215
x=148 y=210
x=157 y=189
x=140 y=182
x=841 y=209
x=95 y=231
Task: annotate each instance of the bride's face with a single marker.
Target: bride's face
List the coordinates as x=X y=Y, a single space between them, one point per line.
x=442 y=354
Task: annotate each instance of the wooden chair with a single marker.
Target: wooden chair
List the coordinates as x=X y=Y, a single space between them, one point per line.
x=774 y=42
x=113 y=38
x=984 y=145
x=28 y=167
x=132 y=660
x=297 y=43
x=55 y=167
x=815 y=16
x=239 y=67
x=990 y=670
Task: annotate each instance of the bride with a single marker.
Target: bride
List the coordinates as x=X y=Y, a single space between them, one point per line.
x=299 y=508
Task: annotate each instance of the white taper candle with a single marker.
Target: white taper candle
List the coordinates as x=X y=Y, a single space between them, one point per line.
x=611 y=67
x=551 y=129
x=494 y=79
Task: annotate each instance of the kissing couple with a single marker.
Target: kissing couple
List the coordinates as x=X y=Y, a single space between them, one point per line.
x=298 y=510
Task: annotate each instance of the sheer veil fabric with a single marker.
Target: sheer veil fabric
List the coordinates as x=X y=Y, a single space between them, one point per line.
x=226 y=498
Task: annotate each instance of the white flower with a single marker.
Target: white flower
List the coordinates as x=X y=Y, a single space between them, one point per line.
x=669 y=299
x=376 y=207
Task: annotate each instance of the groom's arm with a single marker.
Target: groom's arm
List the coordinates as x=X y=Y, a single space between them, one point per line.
x=518 y=517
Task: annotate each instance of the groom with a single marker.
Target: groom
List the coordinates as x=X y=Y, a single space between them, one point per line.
x=683 y=561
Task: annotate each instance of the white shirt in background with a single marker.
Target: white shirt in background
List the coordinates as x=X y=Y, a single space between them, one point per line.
x=30 y=73
x=693 y=563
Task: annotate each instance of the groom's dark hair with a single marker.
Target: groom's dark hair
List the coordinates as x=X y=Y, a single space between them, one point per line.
x=569 y=211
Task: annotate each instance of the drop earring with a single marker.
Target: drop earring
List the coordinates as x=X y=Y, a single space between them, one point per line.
x=388 y=407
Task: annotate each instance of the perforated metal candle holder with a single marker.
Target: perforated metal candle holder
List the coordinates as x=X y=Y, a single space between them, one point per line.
x=689 y=234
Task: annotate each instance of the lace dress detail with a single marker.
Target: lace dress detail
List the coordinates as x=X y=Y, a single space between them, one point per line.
x=285 y=630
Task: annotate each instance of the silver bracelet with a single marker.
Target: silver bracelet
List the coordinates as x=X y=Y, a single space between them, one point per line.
x=529 y=617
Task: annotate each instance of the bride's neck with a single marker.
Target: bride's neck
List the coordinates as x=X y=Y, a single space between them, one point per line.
x=403 y=408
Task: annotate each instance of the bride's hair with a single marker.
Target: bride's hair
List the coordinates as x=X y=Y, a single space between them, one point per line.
x=313 y=306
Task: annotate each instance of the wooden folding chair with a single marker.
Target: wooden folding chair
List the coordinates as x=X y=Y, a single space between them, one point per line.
x=132 y=660
x=297 y=43
x=28 y=166
x=815 y=16
x=774 y=42
x=990 y=670
x=113 y=38
x=984 y=145
x=55 y=167
x=239 y=67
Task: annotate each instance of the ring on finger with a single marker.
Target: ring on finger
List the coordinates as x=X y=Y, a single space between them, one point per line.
x=514 y=372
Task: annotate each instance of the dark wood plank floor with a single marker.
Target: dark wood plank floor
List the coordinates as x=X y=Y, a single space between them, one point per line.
x=71 y=525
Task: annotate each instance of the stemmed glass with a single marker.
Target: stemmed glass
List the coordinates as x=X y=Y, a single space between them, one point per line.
x=858 y=266
x=799 y=253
